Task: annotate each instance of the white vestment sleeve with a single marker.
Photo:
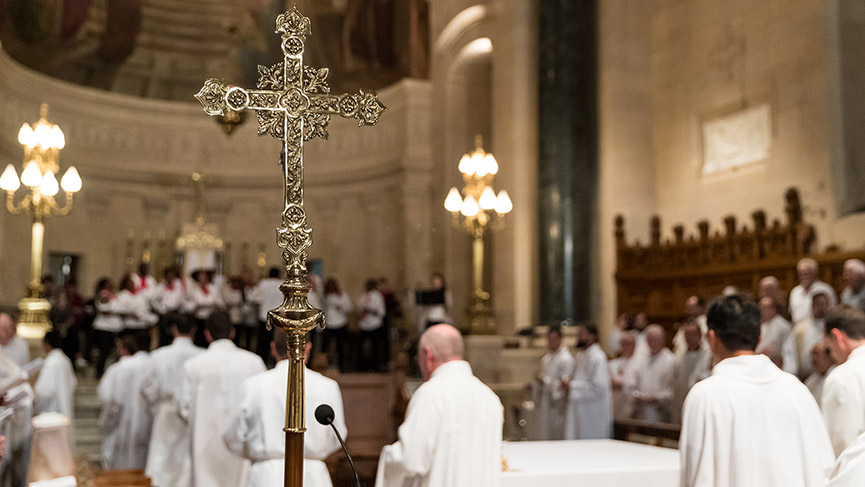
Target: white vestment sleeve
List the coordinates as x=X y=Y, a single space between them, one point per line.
x=696 y=446
x=594 y=386
x=412 y=455
x=843 y=419
x=236 y=437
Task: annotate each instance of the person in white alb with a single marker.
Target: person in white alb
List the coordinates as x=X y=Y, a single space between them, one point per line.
x=10 y=343
x=136 y=314
x=337 y=306
x=589 y=390
x=549 y=388
x=692 y=365
x=452 y=433
x=650 y=390
x=695 y=308
x=372 y=309
x=56 y=384
x=854 y=276
x=125 y=419
x=17 y=428
x=107 y=324
x=621 y=369
x=801 y=297
x=823 y=364
x=267 y=296
x=211 y=393
x=850 y=467
x=843 y=398
x=750 y=423
x=255 y=430
x=168 y=459
x=804 y=336
x=168 y=298
x=774 y=332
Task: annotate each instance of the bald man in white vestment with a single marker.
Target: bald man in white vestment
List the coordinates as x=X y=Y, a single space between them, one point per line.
x=56 y=384
x=750 y=423
x=125 y=419
x=590 y=393
x=549 y=391
x=801 y=297
x=452 y=433
x=168 y=458
x=255 y=431
x=211 y=394
x=843 y=398
x=14 y=464
x=805 y=335
x=13 y=345
x=650 y=390
x=774 y=332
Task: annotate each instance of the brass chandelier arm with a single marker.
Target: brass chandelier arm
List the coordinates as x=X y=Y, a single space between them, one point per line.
x=62 y=210
x=19 y=209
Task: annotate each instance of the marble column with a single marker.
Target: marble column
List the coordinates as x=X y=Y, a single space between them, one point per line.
x=568 y=155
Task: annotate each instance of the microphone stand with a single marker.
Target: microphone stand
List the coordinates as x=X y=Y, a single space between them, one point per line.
x=350 y=461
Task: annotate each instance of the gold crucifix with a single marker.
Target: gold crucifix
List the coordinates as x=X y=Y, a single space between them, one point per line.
x=293 y=104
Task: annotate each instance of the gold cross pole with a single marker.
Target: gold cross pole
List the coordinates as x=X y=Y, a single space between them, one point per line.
x=293 y=104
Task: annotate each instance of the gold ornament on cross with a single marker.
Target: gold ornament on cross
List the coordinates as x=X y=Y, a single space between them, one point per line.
x=293 y=104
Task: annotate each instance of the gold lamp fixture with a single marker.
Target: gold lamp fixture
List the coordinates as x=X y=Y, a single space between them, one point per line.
x=476 y=210
x=42 y=143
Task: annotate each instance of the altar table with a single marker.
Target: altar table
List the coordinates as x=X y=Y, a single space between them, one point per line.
x=595 y=463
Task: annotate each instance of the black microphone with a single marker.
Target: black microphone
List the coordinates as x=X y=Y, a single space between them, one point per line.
x=324 y=415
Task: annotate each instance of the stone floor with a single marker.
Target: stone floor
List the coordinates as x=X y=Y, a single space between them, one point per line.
x=88 y=439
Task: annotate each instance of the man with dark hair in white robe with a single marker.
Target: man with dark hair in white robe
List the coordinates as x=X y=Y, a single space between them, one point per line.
x=168 y=461
x=452 y=433
x=589 y=390
x=549 y=391
x=843 y=397
x=255 y=431
x=749 y=423
x=211 y=393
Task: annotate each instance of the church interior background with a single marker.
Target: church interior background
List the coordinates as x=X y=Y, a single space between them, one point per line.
x=690 y=110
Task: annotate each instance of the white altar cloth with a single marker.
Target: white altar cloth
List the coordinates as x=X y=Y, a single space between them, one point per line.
x=596 y=463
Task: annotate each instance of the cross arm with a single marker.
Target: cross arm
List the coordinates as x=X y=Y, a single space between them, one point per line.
x=365 y=107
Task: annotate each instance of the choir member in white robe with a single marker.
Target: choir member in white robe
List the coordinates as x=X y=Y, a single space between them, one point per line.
x=854 y=276
x=56 y=384
x=143 y=282
x=211 y=393
x=549 y=390
x=255 y=431
x=15 y=463
x=692 y=365
x=10 y=343
x=590 y=393
x=801 y=297
x=805 y=335
x=621 y=369
x=203 y=297
x=750 y=423
x=695 y=308
x=823 y=365
x=849 y=469
x=168 y=458
x=125 y=419
x=107 y=323
x=843 y=398
x=268 y=296
x=135 y=311
x=774 y=331
x=651 y=389
x=452 y=433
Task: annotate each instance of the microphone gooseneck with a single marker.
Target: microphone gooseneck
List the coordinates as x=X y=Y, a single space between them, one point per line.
x=324 y=415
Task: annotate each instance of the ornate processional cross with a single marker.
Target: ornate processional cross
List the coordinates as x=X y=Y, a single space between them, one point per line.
x=293 y=104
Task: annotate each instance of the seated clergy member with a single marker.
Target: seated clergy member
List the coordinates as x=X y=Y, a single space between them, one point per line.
x=621 y=369
x=125 y=418
x=56 y=384
x=590 y=394
x=651 y=384
x=452 y=433
x=211 y=393
x=255 y=431
x=168 y=462
x=843 y=398
x=550 y=393
x=692 y=365
x=750 y=423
